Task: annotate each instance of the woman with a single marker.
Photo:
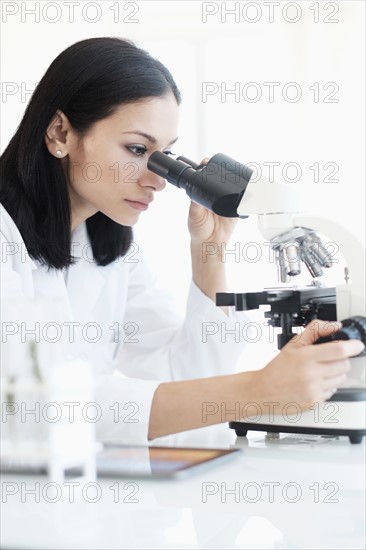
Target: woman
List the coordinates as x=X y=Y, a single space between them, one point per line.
x=74 y=182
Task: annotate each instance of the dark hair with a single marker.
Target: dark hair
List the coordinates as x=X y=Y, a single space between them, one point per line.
x=88 y=82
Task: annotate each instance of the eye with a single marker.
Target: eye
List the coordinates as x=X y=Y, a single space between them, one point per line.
x=137 y=150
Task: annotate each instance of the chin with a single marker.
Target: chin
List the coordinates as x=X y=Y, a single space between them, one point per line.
x=126 y=220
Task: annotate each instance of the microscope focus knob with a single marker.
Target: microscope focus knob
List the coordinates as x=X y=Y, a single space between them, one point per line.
x=354 y=328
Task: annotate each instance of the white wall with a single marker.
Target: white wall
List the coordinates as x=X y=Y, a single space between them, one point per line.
x=224 y=50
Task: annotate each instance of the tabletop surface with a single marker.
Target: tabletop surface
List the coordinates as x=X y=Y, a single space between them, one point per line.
x=297 y=492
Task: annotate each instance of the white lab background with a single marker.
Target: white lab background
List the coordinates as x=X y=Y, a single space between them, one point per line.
x=275 y=84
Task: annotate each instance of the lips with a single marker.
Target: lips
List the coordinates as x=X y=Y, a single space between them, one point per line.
x=141 y=204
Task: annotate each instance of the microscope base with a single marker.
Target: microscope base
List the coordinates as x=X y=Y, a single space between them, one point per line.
x=242 y=428
x=334 y=417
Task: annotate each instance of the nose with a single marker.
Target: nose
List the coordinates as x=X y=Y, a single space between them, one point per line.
x=149 y=179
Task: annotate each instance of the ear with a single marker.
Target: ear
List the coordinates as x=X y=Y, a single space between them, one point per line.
x=58 y=135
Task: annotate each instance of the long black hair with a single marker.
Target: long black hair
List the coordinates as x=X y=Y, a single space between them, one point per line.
x=88 y=82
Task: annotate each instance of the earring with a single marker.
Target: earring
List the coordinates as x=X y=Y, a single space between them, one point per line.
x=58 y=152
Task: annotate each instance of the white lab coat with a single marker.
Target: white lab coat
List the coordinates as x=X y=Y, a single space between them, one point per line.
x=121 y=303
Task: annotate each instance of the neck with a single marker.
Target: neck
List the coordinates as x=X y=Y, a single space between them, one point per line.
x=80 y=209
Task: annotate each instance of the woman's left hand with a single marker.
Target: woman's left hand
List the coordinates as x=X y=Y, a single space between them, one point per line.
x=206 y=227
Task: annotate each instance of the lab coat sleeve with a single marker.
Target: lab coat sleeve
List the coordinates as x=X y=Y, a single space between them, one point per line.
x=166 y=347
x=125 y=404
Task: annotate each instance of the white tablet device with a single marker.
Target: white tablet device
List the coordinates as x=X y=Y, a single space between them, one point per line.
x=144 y=462
x=163 y=462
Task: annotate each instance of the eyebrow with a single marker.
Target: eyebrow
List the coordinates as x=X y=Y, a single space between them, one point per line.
x=148 y=137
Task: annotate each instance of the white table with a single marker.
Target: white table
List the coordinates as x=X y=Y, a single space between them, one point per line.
x=284 y=494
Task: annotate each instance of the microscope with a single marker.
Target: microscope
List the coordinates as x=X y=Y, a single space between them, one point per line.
x=227 y=188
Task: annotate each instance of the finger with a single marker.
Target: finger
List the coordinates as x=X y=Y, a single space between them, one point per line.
x=334 y=382
x=332 y=385
x=205 y=160
x=314 y=330
x=196 y=208
x=335 y=351
x=335 y=369
x=197 y=216
x=327 y=394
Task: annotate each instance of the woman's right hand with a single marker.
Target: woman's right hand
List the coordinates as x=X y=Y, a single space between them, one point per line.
x=301 y=373
x=305 y=373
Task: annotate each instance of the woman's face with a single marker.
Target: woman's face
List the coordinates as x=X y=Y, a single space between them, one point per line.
x=107 y=167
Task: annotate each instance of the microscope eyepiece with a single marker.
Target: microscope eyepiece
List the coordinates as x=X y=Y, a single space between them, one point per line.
x=218 y=185
x=167 y=167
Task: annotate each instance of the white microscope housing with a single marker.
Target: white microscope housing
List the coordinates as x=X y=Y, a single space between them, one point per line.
x=293 y=238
